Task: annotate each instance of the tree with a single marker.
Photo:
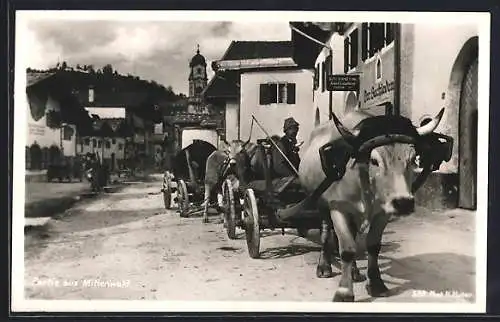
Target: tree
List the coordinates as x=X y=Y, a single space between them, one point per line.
x=107 y=69
x=64 y=65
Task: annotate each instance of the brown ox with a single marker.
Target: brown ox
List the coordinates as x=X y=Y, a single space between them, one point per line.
x=232 y=159
x=374 y=187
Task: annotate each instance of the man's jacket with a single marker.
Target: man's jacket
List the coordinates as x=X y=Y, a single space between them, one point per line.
x=280 y=166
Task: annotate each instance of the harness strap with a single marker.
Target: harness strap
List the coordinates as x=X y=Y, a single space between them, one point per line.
x=366 y=192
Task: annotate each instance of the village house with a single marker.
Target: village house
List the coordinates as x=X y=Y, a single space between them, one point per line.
x=54 y=118
x=109 y=136
x=137 y=116
x=410 y=69
x=261 y=79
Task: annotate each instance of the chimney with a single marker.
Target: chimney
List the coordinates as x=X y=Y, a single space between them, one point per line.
x=91 y=95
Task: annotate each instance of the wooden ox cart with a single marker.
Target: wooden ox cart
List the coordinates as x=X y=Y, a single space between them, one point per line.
x=268 y=204
x=187 y=177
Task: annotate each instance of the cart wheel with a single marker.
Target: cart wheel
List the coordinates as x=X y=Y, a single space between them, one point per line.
x=183 y=198
x=167 y=193
x=229 y=208
x=251 y=220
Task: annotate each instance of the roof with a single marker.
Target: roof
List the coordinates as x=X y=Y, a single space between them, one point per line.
x=33 y=78
x=239 y=50
x=223 y=85
x=306 y=51
x=197 y=60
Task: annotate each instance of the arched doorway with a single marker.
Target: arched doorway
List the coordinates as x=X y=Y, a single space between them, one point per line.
x=461 y=122
x=54 y=155
x=351 y=102
x=35 y=157
x=467 y=165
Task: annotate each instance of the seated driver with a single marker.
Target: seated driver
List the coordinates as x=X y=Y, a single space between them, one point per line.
x=288 y=145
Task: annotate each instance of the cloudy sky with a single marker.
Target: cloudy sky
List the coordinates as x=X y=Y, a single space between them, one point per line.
x=157 y=51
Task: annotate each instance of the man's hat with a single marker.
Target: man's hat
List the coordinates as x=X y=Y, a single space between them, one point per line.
x=289 y=122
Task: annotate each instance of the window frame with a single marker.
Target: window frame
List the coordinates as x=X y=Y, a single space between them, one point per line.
x=388 y=40
x=272 y=92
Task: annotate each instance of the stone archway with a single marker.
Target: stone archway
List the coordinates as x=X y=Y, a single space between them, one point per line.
x=462 y=117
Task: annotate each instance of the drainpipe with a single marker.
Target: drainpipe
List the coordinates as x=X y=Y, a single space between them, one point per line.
x=239 y=119
x=397 y=69
x=330 y=94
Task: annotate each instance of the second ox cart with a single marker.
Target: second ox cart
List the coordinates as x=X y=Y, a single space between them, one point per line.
x=187 y=178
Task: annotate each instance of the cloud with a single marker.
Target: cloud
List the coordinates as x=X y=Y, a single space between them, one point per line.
x=157 y=51
x=221 y=29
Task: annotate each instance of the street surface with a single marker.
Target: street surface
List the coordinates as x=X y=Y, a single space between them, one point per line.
x=125 y=245
x=38 y=191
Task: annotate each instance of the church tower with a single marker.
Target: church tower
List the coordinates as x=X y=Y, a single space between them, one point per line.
x=197 y=81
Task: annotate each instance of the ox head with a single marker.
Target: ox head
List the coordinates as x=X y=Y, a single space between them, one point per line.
x=237 y=161
x=386 y=151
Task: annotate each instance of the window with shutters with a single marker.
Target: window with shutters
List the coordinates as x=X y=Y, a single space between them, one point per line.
x=277 y=93
x=351 y=51
x=94 y=142
x=375 y=37
x=108 y=145
x=86 y=141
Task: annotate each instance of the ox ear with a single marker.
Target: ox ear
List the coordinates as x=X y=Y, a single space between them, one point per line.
x=224 y=146
x=346 y=134
x=432 y=125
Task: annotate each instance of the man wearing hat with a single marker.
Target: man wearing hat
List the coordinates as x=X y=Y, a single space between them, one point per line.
x=288 y=145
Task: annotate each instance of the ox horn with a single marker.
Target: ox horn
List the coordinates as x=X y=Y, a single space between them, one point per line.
x=346 y=134
x=432 y=125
